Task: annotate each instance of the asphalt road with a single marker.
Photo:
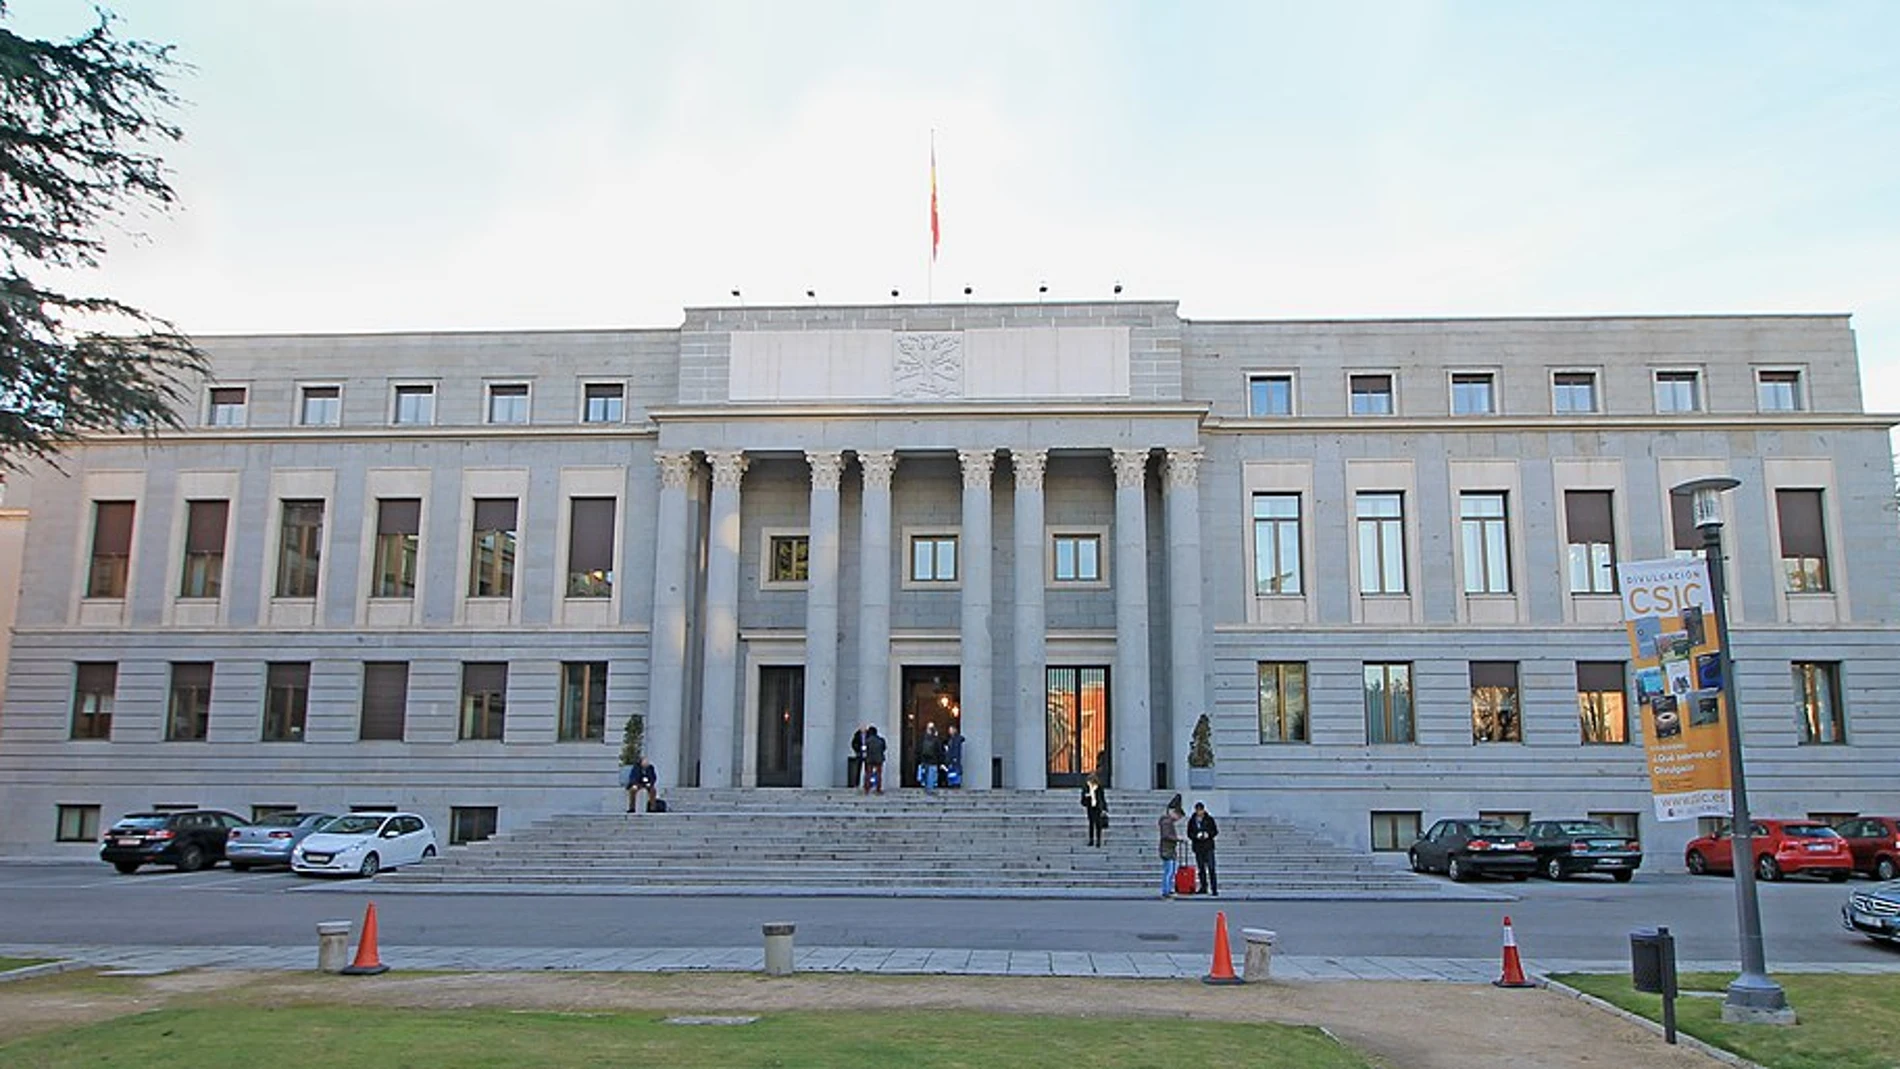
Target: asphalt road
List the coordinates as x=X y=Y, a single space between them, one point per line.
x=1583 y=918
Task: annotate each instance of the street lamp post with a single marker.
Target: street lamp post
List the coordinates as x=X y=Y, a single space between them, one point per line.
x=1754 y=996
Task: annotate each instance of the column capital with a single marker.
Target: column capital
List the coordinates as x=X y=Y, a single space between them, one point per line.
x=1184 y=466
x=826 y=466
x=1131 y=466
x=879 y=465
x=676 y=469
x=1029 y=465
x=728 y=467
x=977 y=466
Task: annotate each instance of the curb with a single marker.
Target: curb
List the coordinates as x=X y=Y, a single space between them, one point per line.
x=45 y=969
x=1683 y=1039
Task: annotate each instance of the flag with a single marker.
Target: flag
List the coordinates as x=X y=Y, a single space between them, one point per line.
x=936 y=232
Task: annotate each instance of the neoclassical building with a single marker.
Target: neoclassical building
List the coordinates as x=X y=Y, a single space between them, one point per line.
x=443 y=570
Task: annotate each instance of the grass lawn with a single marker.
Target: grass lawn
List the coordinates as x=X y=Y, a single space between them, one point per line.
x=200 y=1038
x=1847 y=1022
x=9 y=964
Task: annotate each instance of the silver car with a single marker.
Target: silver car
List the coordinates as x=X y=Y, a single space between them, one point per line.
x=1874 y=912
x=271 y=840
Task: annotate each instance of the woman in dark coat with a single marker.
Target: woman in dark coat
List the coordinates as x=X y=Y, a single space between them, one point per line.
x=1095 y=802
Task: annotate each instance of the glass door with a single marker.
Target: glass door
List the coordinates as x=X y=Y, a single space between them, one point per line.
x=781 y=726
x=1078 y=725
x=930 y=697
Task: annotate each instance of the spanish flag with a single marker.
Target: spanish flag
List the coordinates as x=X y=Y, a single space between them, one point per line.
x=936 y=232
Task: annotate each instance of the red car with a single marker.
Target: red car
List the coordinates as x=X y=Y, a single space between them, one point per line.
x=1781 y=847
x=1875 y=844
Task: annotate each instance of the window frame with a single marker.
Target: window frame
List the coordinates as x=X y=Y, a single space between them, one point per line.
x=1285 y=711
x=483 y=714
x=491 y=393
x=590 y=724
x=1274 y=530
x=304 y=397
x=1467 y=379
x=97 y=720
x=1676 y=376
x=1803 y=572
x=197 y=720
x=109 y=568
x=1558 y=390
x=1590 y=702
x=939 y=536
x=1792 y=378
x=487 y=816
x=1388 y=670
x=619 y=401
x=86 y=815
x=300 y=549
x=1501 y=702
x=286 y=701
x=1388 y=534
x=380 y=717
x=1488 y=529
x=201 y=571
x=593 y=584
x=1600 y=574
x=1406 y=827
x=1810 y=730
x=403 y=549
x=399 y=390
x=1265 y=378
x=1390 y=393
x=214 y=405
x=769 y=540
x=1053 y=540
x=491 y=568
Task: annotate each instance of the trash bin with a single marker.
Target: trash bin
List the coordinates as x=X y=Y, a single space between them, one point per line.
x=1653 y=961
x=778 y=948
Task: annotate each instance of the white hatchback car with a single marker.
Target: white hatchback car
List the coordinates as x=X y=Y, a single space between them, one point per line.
x=363 y=844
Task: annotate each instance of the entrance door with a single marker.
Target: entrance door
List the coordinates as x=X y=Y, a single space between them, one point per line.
x=781 y=726
x=930 y=697
x=1078 y=725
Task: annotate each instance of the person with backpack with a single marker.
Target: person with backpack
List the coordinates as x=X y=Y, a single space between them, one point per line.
x=1169 y=826
x=874 y=750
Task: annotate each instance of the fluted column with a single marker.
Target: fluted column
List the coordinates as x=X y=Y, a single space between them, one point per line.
x=1132 y=724
x=719 y=692
x=823 y=755
x=874 y=600
x=978 y=690
x=666 y=687
x=1187 y=682
x=1032 y=654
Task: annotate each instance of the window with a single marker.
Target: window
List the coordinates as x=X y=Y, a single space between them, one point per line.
x=491 y=563
x=1394 y=830
x=286 y=701
x=1474 y=394
x=1276 y=544
x=77 y=824
x=1835 y=820
x=1270 y=395
x=508 y=402
x=791 y=558
x=205 y=525
x=1573 y=392
x=1283 y=701
x=93 y=686
x=1078 y=558
x=385 y=700
x=1388 y=702
x=111 y=549
x=590 y=548
x=1381 y=543
x=1516 y=818
x=415 y=406
x=1626 y=823
x=933 y=559
x=1685 y=538
x=1817 y=703
x=471 y=823
x=398 y=534
x=484 y=700
x=300 y=549
x=1602 y=708
x=602 y=402
x=1482 y=522
x=1494 y=710
x=583 y=701
x=1711 y=825
x=260 y=812
x=1678 y=391
x=321 y=406
x=227 y=406
x=188 y=711
x=1803 y=541
x=1371 y=394
x=1592 y=534
x=1778 y=391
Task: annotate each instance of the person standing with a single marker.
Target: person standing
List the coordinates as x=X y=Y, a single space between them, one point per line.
x=645 y=778
x=1095 y=804
x=929 y=756
x=1201 y=833
x=953 y=757
x=854 y=761
x=874 y=750
x=1169 y=826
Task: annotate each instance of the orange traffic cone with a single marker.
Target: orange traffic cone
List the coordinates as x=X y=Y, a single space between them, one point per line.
x=1513 y=966
x=1223 y=958
x=367 y=963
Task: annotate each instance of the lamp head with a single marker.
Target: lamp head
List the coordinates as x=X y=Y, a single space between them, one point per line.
x=1705 y=498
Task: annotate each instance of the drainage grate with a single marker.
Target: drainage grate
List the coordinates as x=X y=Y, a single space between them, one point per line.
x=1158 y=937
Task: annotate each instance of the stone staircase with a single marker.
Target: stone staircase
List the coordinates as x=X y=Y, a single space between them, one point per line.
x=741 y=841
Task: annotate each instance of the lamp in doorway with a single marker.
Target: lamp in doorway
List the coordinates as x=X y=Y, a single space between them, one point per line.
x=1201 y=755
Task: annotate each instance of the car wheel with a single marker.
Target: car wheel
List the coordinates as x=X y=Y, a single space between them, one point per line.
x=1885 y=869
x=1767 y=869
x=1457 y=870
x=1698 y=865
x=428 y=852
x=1622 y=875
x=1417 y=865
x=371 y=865
x=1554 y=868
x=126 y=868
x=191 y=859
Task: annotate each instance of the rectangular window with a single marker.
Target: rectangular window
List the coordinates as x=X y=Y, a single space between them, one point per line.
x=1394 y=830
x=398 y=538
x=1711 y=825
x=933 y=559
x=1078 y=558
x=1483 y=525
x=1474 y=394
x=1516 y=818
x=77 y=824
x=227 y=406
x=508 y=402
x=1381 y=519
x=188 y=711
x=1685 y=538
x=1778 y=391
x=791 y=558
x=385 y=700
x=603 y=402
x=1602 y=697
x=471 y=823
x=415 y=406
x=1388 y=702
x=1573 y=392
x=1276 y=544
x=1819 y=719
x=1678 y=391
x=1494 y=708
x=583 y=701
x=1592 y=534
x=320 y=406
x=206 y=523
x=111 y=549
x=1270 y=395
x=590 y=548
x=1283 y=701
x=1803 y=541
x=484 y=700
x=286 y=701
x=491 y=559
x=1371 y=394
x=94 y=684
x=1626 y=823
x=259 y=812
x=300 y=549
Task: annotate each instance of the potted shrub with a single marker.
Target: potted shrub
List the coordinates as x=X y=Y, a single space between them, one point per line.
x=1201 y=755
x=632 y=745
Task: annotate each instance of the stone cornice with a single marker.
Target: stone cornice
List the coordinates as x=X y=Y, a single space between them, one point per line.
x=1653 y=424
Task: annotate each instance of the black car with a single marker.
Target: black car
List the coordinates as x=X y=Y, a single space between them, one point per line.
x=1570 y=846
x=1463 y=848
x=190 y=839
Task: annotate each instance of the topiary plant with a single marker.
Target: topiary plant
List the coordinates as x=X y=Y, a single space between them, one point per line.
x=1201 y=747
x=633 y=739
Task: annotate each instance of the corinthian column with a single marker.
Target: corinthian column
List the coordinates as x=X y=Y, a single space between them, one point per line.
x=822 y=751
x=719 y=694
x=874 y=599
x=1187 y=689
x=1032 y=655
x=666 y=690
x=1132 y=724
x=978 y=689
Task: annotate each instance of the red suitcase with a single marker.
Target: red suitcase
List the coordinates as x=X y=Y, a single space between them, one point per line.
x=1184 y=878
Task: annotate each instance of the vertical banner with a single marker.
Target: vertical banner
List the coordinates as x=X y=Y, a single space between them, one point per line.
x=1676 y=658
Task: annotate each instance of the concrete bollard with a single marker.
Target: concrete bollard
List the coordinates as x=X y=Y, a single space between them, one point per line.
x=1259 y=953
x=333 y=946
x=778 y=948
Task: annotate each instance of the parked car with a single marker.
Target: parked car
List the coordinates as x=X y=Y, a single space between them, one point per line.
x=364 y=844
x=191 y=839
x=1875 y=844
x=1463 y=848
x=271 y=839
x=1565 y=847
x=1874 y=912
x=1782 y=847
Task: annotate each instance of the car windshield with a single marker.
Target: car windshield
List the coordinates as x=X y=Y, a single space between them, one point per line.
x=1495 y=828
x=1809 y=831
x=355 y=824
x=142 y=820
x=280 y=820
x=1587 y=827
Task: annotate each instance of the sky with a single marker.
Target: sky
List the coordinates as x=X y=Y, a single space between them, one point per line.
x=373 y=165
